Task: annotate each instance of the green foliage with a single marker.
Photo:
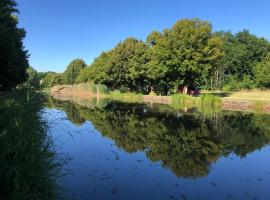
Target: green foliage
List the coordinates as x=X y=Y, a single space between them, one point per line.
x=262 y=73
x=247 y=83
x=29 y=166
x=51 y=79
x=32 y=78
x=13 y=56
x=102 y=89
x=231 y=84
x=73 y=70
x=126 y=97
x=205 y=103
x=243 y=51
x=121 y=68
x=187 y=53
x=97 y=71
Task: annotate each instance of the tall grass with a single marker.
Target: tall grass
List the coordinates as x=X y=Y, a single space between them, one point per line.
x=205 y=103
x=89 y=87
x=102 y=89
x=126 y=97
x=28 y=164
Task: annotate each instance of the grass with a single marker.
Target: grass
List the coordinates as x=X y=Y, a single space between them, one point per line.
x=29 y=167
x=126 y=97
x=205 y=103
x=248 y=95
x=89 y=88
x=252 y=95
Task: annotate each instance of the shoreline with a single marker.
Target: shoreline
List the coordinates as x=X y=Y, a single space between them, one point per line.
x=67 y=92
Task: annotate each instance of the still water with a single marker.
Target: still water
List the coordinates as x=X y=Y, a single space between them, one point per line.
x=141 y=151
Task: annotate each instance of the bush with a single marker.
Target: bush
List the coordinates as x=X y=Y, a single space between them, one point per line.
x=102 y=89
x=246 y=83
x=231 y=84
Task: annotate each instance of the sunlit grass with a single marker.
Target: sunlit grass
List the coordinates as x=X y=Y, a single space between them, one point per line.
x=254 y=94
x=126 y=97
x=205 y=103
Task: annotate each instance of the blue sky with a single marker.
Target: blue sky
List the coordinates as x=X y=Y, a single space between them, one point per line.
x=61 y=30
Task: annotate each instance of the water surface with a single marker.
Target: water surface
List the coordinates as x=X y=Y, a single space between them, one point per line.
x=139 y=151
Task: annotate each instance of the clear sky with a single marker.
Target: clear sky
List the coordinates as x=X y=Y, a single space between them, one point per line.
x=61 y=30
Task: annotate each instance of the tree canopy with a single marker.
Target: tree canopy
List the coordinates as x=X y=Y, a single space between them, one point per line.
x=51 y=79
x=188 y=53
x=13 y=56
x=73 y=70
x=262 y=73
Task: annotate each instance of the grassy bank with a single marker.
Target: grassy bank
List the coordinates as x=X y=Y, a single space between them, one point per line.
x=126 y=97
x=205 y=103
x=28 y=167
x=251 y=95
x=247 y=95
x=208 y=101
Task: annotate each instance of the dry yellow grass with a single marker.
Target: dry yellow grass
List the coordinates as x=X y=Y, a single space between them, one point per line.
x=263 y=95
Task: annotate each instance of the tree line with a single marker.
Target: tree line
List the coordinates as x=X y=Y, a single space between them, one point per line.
x=189 y=53
x=13 y=56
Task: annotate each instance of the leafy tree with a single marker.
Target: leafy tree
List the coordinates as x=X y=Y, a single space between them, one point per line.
x=47 y=80
x=186 y=54
x=13 y=56
x=126 y=66
x=73 y=71
x=51 y=79
x=242 y=53
x=97 y=71
x=262 y=73
x=57 y=79
x=32 y=78
x=121 y=68
x=189 y=53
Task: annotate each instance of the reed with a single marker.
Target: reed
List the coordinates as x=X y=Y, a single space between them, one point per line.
x=126 y=97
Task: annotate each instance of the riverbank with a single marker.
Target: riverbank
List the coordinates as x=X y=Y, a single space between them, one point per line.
x=241 y=101
x=29 y=166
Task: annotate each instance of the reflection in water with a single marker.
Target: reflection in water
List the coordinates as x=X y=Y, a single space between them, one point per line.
x=187 y=143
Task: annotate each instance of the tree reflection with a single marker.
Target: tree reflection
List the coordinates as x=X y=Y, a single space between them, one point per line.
x=186 y=143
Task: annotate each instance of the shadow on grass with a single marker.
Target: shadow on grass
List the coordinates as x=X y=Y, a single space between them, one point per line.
x=29 y=166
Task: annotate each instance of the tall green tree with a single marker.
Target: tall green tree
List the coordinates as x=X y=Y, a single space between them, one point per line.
x=13 y=56
x=243 y=51
x=187 y=54
x=51 y=79
x=262 y=73
x=123 y=68
x=73 y=71
x=96 y=72
x=32 y=78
